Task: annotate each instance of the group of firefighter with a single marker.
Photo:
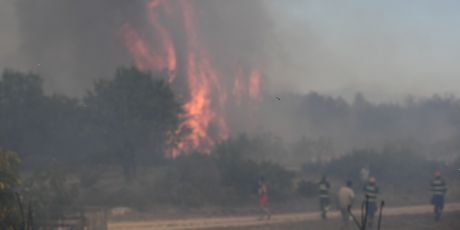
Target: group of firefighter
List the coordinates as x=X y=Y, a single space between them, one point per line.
x=346 y=197
x=370 y=189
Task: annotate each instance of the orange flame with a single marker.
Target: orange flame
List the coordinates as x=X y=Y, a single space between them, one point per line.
x=254 y=84
x=205 y=107
x=168 y=52
x=136 y=45
x=238 y=87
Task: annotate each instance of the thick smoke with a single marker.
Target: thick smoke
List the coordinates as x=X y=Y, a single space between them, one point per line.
x=72 y=43
x=238 y=30
x=338 y=50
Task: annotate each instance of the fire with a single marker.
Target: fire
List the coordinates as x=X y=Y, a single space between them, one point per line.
x=168 y=52
x=238 y=87
x=143 y=58
x=254 y=85
x=208 y=96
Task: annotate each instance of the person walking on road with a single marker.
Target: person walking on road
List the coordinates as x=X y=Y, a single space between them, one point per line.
x=263 y=199
x=371 y=191
x=324 y=200
x=346 y=196
x=439 y=189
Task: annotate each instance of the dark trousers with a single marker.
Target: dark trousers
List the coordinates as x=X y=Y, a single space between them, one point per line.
x=345 y=214
x=324 y=204
x=371 y=209
x=438 y=203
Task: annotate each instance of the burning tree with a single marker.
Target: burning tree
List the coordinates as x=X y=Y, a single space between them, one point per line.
x=178 y=47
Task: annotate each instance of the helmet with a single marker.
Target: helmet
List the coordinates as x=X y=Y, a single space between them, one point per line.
x=437 y=174
x=372 y=179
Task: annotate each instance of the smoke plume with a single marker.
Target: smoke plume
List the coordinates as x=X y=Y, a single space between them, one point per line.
x=72 y=43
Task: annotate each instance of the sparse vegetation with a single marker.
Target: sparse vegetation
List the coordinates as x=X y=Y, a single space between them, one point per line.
x=118 y=133
x=10 y=212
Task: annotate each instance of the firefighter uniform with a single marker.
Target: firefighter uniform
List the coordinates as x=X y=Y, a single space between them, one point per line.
x=324 y=199
x=371 y=191
x=438 y=189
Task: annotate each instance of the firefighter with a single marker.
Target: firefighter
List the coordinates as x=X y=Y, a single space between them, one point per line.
x=439 y=189
x=263 y=199
x=324 y=200
x=371 y=191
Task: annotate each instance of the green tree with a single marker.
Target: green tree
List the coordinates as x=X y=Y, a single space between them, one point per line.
x=40 y=126
x=21 y=120
x=135 y=114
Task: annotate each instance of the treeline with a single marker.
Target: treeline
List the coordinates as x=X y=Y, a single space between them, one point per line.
x=128 y=120
x=430 y=125
x=124 y=121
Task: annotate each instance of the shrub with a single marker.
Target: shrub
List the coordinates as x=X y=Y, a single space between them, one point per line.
x=397 y=168
x=307 y=189
x=241 y=174
x=9 y=208
x=278 y=178
x=191 y=181
x=51 y=193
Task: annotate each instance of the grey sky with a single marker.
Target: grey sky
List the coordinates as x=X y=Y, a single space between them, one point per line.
x=385 y=49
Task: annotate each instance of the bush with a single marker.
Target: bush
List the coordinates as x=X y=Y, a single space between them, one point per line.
x=390 y=167
x=279 y=180
x=241 y=174
x=191 y=181
x=307 y=189
x=51 y=194
x=9 y=204
x=89 y=176
x=223 y=178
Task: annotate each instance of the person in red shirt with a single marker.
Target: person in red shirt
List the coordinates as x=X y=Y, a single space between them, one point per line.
x=263 y=199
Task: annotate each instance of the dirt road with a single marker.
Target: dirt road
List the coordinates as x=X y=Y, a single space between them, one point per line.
x=226 y=222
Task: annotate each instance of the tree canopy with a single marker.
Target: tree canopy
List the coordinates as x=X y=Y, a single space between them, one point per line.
x=134 y=114
x=127 y=119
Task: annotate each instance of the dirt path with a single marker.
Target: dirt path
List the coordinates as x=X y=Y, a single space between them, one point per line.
x=225 y=222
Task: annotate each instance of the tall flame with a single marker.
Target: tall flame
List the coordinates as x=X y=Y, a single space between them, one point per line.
x=206 y=103
x=255 y=81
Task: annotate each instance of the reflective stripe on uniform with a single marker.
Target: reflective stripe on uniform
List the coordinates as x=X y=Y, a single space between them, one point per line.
x=371 y=192
x=324 y=190
x=438 y=187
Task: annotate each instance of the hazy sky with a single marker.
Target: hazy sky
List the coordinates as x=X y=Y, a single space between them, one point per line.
x=385 y=49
